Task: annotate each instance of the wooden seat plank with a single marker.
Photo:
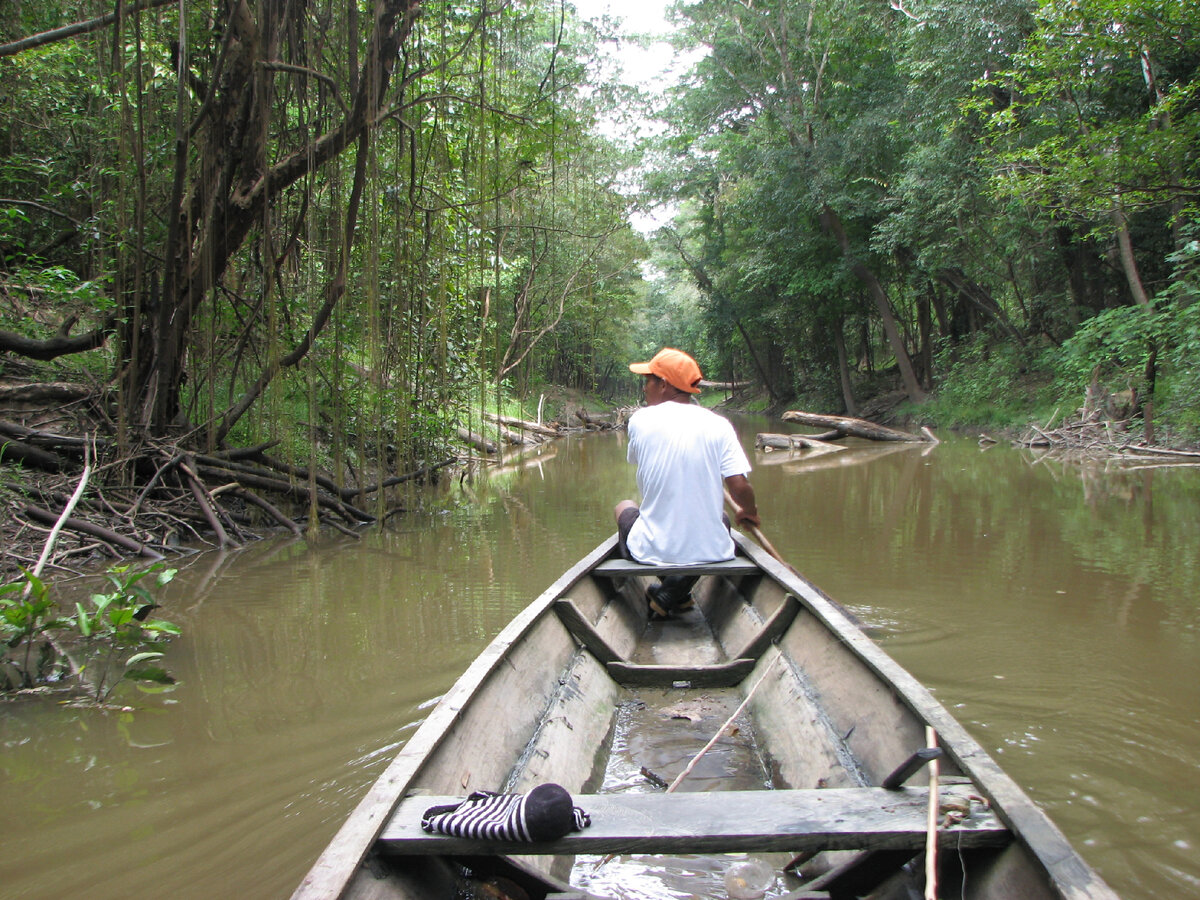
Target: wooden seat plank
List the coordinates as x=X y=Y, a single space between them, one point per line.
x=625 y=567
x=724 y=822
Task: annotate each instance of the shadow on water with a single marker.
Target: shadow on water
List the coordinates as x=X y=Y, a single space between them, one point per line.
x=1052 y=608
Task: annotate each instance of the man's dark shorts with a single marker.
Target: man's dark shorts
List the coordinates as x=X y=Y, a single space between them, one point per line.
x=625 y=521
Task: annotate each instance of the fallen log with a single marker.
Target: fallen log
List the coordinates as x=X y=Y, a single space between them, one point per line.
x=847 y=426
x=478 y=441
x=796 y=463
x=298 y=492
x=767 y=441
x=205 y=502
x=521 y=425
x=44 y=393
x=45 y=517
x=1159 y=451
x=269 y=509
x=515 y=438
x=725 y=385
x=14 y=450
x=423 y=472
x=593 y=421
x=236 y=453
x=238 y=470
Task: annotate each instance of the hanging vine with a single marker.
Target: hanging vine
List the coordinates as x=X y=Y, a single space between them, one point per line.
x=306 y=223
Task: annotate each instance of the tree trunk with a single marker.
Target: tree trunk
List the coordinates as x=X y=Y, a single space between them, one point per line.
x=839 y=340
x=233 y=190
x=979 y=298
x=762 y=372
x=850 y=426
x=833 y=224
x=1128 y=262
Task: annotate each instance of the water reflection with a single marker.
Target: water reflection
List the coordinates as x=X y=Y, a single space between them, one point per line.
x=1052 y=608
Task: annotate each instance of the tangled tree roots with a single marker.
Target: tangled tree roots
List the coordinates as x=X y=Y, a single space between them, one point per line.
x=147 y=499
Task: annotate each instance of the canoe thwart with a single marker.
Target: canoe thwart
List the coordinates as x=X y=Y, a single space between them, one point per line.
x=726 y=674
x=584 y=632
x=724 y=822
x=910 y=767
x=779 y=622
x=624 y=567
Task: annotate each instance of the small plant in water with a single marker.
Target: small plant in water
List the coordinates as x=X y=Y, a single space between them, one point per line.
x=117 y=623
x=27 y=616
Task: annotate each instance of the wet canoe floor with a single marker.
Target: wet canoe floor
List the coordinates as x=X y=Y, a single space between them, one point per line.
x=657 y=733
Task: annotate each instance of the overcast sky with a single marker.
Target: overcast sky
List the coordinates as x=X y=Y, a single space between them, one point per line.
x=642 y=66
x=651 y=68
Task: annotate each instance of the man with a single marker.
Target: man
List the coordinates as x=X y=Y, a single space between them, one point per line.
x=686 y=456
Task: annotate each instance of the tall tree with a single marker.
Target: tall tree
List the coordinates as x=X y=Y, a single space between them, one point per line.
x=818 y=81
x=1102 y=124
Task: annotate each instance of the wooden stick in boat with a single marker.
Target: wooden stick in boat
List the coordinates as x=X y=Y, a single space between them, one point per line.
x=932 y=826
x=720 y=731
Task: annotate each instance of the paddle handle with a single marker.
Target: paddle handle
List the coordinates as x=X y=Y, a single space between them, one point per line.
x=756 y=533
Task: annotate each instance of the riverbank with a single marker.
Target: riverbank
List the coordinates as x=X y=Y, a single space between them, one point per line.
x=164 y=496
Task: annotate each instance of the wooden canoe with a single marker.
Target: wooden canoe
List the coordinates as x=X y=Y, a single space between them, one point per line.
x=829 y=714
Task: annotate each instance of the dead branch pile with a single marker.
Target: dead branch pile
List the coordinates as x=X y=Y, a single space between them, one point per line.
x=1102 y=426
x=147 y=499
x=1094 y=434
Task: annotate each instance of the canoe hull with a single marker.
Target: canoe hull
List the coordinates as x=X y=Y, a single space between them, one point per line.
x=830 y=712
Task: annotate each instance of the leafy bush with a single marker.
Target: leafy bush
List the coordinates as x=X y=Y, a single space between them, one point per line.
x=985 y=385
x=118 y=621
x=1117 y=346
x=1113 y=347
x=115 y=623
x=27 y=616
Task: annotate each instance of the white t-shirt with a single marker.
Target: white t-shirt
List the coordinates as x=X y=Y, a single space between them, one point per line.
x=683 y=453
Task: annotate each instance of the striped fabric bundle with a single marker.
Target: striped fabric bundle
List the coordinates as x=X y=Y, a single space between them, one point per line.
x=546 y=813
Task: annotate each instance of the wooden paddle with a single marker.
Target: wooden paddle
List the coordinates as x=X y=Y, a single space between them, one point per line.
x=756 y=533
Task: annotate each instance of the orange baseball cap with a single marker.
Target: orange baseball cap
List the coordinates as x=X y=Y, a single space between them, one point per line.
x=674 y=367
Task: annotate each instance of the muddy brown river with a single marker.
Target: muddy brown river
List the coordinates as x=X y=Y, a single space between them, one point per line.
x=1053 y=608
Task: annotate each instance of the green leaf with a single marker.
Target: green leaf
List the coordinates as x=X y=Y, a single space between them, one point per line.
x=150 y=673
x=141 y=657
x=162 y=626
x=85 y=623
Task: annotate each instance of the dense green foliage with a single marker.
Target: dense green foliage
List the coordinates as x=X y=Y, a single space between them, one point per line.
x=91 y=650
x=344 y=226
x=990 y=175
x=349 y=226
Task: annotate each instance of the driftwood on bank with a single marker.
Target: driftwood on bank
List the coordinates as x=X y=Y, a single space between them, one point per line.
x=846 y=426
x=522 y=425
